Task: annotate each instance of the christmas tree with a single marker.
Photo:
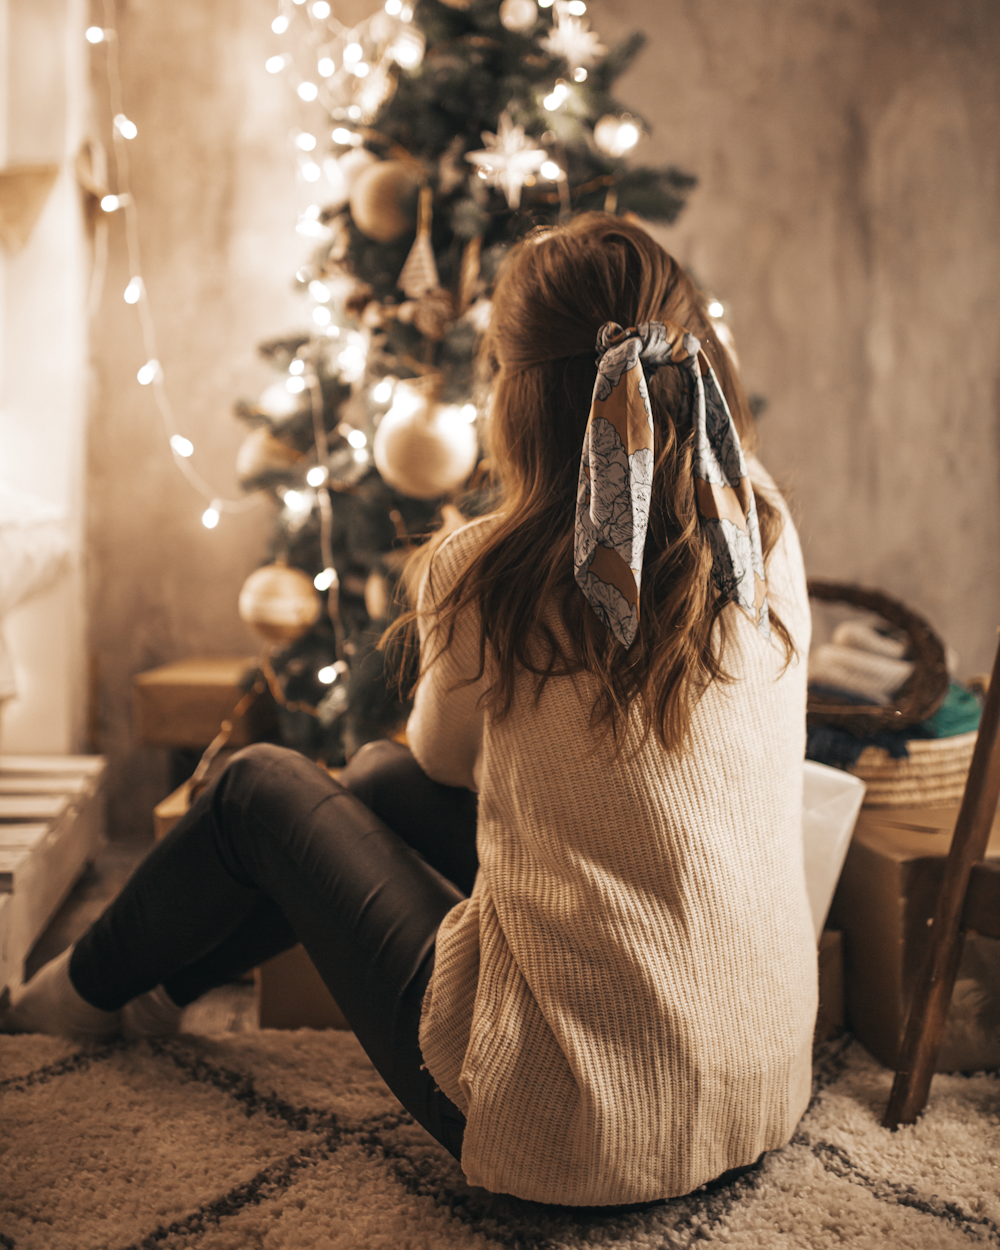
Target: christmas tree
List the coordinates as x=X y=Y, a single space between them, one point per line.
x=456 y=127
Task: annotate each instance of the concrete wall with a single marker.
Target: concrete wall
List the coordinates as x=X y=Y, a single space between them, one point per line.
x=848 y=215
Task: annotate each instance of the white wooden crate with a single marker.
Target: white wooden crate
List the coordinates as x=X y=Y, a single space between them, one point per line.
x=51 y=824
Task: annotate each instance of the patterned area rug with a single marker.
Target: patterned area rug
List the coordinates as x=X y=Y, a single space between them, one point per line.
x=290 y=1141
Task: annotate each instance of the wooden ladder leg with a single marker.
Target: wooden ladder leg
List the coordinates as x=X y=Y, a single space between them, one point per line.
x=932 y=997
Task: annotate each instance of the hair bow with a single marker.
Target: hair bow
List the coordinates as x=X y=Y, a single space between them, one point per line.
x=616 y=470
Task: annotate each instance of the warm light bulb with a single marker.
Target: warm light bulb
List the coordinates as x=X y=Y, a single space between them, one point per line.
x=392 y=7
x=549 y=169
x=133 y=292
x=297 y=366
x=319 y=291
x=305 y=142
x=326 y=579
x=327 y=675
x=321 y=315
x=579 y=74
x=361 y=455
x=94 y=34
x=382 y=391
x=297 y=501
x=295 y=385
x=326 y=67
x=321 y=10
x=352 y=53
x=126 y=128
x=556 y=97
x=407 y=49
x=351 y=360
x=181 y=445
x=628 y=136
x=280 y=24
x=357 y=438
x=469 y=412
x=406 y=13
x=274 y=64
x=576 y=8
x=354 y=112
x=545 y=4
x=715 y=309
x=112 y=202
x=317 y=475
x=308 y=91
x=149 y=372
x=343 y=136
x=210 y=517
x=311 y=171
x=361 y=70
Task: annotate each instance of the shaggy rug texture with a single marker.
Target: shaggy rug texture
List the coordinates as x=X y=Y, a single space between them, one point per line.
x=290 y=1141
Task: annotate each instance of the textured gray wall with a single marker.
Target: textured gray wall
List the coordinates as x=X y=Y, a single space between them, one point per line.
x=848 y=215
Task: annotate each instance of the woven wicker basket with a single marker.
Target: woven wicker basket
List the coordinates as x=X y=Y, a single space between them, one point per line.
x=933 y=775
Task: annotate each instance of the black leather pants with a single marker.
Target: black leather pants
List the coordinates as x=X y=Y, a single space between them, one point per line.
x=274 y=853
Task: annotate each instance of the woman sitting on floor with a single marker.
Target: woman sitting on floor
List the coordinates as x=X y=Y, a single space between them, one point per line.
x=595 y=984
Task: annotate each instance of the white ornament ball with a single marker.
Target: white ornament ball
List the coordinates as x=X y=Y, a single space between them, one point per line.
x=279 y=602
x=424 y=450
x=519 y=15
x=260 y=452
x=384 y=200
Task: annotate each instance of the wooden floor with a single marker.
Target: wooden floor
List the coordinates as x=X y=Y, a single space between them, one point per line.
x=228 y=1009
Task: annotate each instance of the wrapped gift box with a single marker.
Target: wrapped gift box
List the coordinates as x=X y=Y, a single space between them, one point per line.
x=884 y=905
x=184 y=703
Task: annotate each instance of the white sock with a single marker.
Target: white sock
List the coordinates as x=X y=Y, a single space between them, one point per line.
x=153 y=1014
x=50 y=1004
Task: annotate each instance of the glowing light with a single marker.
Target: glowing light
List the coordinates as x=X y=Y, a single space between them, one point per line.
x=354 y=112
x=210 y=517
x=357 y=438
x=715 y=309
x=326 y=579
x=556 y=97
x=295 y=385
x=351 y=361
x=576 y=8
x=149 y=372
x=298 y=501
x=112 y=202
x=361 y=70
x=305 y=142
x=343 y=136
x=616 y=135
x=406 y=13
x=321 y=315
x=579 y=74
x=545 y=4
x=297 y=366
x=382 y=391
x=127 y=129
x=308 y=91
x=469 y=412
x=280 y=24
x=274 y=64
x=628 y=136
x=181 y=445
x=311 y=171
x=392 y=7
x=319 y=291
x=407 y=49
x=321 y=10
x=328 y=675
x=317 y=475
x=549 y=169
x=360 y=455
x=94 y=34
x=326 y=67
x=352 y=53
x=133 y=292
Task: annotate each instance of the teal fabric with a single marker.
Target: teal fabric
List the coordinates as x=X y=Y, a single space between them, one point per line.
x=958 y=714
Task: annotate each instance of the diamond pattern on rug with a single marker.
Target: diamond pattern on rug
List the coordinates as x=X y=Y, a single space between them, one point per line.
x=290 y=1141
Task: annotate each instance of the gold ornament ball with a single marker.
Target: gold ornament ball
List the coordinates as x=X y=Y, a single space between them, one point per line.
x=279 y=602
x=519 y=15
x=384 y=200
x=260 y=452
x=422 y=449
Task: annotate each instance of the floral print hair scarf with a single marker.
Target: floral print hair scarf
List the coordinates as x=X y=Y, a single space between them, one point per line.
x=616 y=469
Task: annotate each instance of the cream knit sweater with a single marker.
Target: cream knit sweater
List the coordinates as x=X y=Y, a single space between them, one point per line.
x=624 y=1007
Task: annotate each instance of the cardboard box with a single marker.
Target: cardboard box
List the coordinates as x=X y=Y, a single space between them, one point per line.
x=183 y=704
x=884 y=906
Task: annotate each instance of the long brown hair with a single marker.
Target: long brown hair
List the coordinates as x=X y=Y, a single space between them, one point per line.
x=554 y=292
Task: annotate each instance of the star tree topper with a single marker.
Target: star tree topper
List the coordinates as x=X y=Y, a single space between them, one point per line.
x=508 y=158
